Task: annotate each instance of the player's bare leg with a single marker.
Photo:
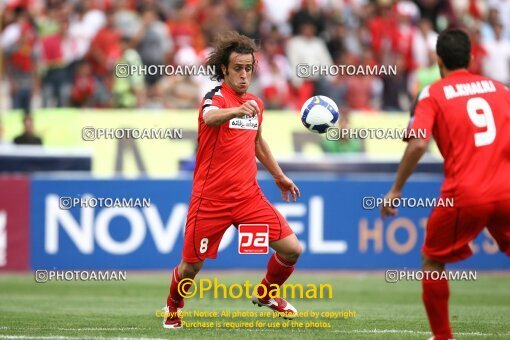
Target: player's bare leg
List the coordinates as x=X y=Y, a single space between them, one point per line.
x=189 y=270
x=288 y=248
x=435 y=299
x=279 y=268
x=175 y=300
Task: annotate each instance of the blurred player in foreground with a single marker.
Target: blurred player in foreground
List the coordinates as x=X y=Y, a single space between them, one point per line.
x=225 y=190
x=469 y=117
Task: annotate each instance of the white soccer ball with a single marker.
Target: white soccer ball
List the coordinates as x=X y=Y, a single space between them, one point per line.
x=319 y=113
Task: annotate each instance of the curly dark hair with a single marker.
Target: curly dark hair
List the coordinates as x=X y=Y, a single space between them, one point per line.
x=224 y=45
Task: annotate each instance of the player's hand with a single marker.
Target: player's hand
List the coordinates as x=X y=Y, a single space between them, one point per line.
x=287 y=187
x=250 y=108
x=386 y=209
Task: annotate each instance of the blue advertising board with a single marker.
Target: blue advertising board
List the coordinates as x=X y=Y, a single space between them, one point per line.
x=335 y=229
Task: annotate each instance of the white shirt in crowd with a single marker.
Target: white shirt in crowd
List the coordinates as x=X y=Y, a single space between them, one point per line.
x=309 y=51
x=496 y=64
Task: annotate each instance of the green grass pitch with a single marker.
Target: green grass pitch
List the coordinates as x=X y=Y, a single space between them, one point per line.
x=479 y=309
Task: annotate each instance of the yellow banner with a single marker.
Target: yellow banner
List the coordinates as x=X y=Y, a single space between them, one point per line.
x=160 y=157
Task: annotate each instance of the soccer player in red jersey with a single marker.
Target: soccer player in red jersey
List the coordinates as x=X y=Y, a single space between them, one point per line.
x=469 y=117
x=225 y=189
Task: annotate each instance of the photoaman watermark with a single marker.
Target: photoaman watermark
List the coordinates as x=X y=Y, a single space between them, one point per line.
x=189 y=288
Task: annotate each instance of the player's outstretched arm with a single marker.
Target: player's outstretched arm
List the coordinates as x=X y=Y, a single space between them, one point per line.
x=265 y=156
x=217 y=117
x=415 y=149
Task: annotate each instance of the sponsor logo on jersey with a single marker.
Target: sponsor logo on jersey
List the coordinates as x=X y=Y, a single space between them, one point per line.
x=253 y=238
x=245 y=123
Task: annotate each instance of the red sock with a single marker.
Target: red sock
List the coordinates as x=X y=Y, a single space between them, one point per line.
x=278 y=271
x=175 y=298
x=435 y=298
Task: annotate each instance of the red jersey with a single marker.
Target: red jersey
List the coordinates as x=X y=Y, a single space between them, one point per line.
x=22 y=59
x=226 y=168
x=106 y=41
x=469 y=117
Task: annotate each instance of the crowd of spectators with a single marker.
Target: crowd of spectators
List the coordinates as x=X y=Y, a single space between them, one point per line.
x=64 y=53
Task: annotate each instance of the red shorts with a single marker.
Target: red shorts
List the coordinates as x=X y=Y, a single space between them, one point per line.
x=208 y=220
x=449 y=230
